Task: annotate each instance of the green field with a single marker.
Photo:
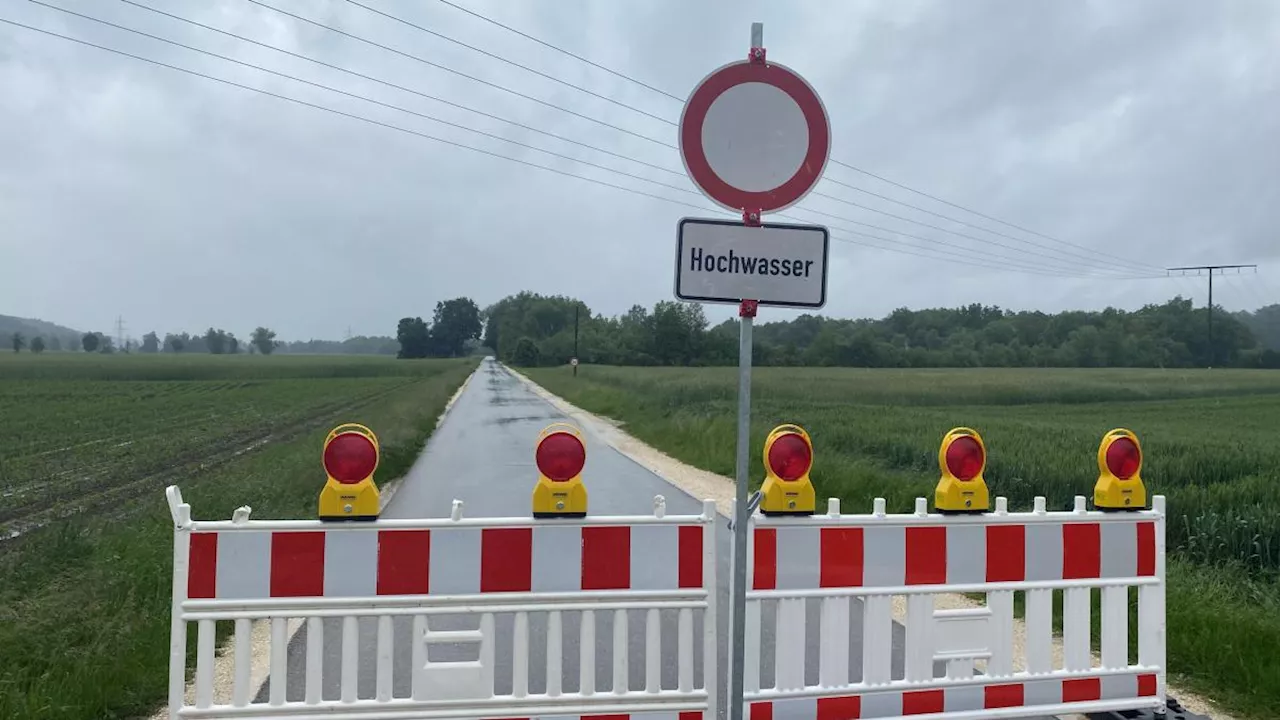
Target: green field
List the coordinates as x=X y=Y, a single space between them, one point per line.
x=87 y=444
x=1209 y=441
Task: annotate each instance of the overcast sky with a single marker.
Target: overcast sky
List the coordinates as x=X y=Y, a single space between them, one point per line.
x=1146 y=130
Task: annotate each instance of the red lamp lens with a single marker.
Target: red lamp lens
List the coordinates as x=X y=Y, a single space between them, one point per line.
x=1123 y=458
x=789 y=457
x=964 y=458
x=350 y=457
x=560 y=456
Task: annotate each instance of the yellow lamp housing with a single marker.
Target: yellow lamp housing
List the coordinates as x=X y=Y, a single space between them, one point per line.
x=788 y=457
x=560 y=456
x=351 y=455
x=1120 y=486
x=962 y=459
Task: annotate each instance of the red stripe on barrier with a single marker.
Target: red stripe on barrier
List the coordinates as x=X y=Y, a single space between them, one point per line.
x=690 y=552
x=606 y=558
x=297 y=564
x=765 y=560
x=926 y=556
x=1081 y=690
x=1146 y=685
x=762 y=711
x=691 y=715
x=1006 y=553
x=1146 y=549
x=202 y=566
x=1081 y=550
x=841 y=552
x=404 y=562
x=920 y=702
x=506 y=560
x=1002 y=696
x=840 y=708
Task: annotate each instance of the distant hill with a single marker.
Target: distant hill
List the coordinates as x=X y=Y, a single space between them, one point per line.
x=32 y=328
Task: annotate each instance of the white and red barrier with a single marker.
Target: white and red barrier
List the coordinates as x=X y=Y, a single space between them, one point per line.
x=366 y=574
x=831 y=560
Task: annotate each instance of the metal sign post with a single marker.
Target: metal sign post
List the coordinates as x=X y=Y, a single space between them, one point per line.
x=754 y=138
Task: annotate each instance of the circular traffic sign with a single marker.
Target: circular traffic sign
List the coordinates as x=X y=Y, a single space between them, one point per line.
x=754 y=136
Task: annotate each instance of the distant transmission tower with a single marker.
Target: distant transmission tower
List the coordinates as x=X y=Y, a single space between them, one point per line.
x=1213 y=355
x=119 y=332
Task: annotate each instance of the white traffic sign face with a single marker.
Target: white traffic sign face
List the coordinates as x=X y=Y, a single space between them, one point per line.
x=754 y=136
x=774 y=264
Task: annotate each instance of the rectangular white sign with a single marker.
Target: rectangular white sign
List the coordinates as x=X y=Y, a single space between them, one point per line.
x=725 y=261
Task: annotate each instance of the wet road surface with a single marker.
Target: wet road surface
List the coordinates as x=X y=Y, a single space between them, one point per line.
x=483 y=455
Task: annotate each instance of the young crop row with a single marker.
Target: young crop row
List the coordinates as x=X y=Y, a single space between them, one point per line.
x=1207 y=437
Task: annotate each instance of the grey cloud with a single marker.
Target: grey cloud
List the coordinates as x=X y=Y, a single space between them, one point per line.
x=1145 y=129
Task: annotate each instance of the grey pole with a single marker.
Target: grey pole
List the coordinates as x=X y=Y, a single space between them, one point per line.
x=741 y=512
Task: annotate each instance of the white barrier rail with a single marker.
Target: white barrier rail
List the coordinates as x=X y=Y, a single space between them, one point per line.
x=852 y=567
x=510 y=593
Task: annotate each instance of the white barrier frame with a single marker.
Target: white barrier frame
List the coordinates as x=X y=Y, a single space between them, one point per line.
x=958 y=637
x=589 y=700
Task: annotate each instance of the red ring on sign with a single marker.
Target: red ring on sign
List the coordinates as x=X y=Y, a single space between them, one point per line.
x=695 y=158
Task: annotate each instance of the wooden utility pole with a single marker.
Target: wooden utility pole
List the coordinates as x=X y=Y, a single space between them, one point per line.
x=1210 y=269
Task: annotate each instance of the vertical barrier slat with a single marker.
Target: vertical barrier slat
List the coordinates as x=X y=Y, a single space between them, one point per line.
x=1115 y=627
x=177 y=625
x=834 y=640
x=1075 y=628
x=520 y=656
x=918 y=658
x=486 y=656
x=751 y=647
x=684 y=655
x=244 y=647
x=1001 y=604
x=1151 y=607
x=279 y=659
x=386 y=648
x=877 y=638
x=652 y=651
x=204 y=663
x=587 y=654
x=350 y=656
x=419 y=645
x=620 y=667
x=315 y=659
x=555 y=664
x=789 y=644
x=710 y=631
x=1039 y=615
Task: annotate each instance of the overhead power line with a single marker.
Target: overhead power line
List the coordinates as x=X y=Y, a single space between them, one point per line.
x=1101 y=266
x=464 y=146
x=835 y=161
x=1210 y=269
x=1019 y=261
x=512 y=63
x=459 y=73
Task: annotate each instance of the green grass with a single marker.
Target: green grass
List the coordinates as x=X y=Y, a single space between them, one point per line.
x=1209 y=441
x=85 y=597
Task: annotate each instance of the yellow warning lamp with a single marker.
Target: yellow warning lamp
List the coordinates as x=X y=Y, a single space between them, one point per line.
x=1119 y=485
x=788 y=457
x=962 y=489
x=350 y=457
x=560 y=457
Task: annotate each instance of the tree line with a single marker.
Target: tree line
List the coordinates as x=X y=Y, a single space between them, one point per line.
x=530 y=329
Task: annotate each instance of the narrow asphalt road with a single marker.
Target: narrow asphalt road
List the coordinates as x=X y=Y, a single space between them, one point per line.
x=483 y=455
